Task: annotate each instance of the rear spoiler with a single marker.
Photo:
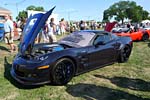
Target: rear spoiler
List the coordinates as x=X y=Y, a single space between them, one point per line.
x=109 y=26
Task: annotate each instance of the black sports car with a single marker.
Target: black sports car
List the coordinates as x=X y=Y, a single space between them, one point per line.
x=76 y=53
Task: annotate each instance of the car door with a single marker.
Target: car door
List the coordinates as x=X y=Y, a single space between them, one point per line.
x=136 y=35
x=102 y=53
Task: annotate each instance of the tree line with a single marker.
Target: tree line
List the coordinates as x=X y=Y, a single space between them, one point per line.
x=119 y=11
x=125 y=10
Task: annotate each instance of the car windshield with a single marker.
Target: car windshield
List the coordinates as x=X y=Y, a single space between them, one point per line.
x=78 y=39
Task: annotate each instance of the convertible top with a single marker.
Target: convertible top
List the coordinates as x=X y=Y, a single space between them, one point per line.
x=78 y=39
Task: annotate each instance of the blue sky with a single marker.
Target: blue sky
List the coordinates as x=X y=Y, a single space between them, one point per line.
x=70 y=9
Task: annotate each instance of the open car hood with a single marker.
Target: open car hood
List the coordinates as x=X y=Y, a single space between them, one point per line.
x=33 y=26
x=109 y=26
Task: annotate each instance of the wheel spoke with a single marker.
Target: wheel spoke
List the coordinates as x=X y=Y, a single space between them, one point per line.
x=125 y=53
x=64 y=71
x=145 y=37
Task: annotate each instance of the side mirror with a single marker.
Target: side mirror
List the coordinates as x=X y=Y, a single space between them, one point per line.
x=99 y=43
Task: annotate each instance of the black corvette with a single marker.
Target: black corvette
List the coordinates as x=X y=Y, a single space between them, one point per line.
x=76 y=53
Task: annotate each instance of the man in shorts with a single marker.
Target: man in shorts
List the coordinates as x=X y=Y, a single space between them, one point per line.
x=8 y=36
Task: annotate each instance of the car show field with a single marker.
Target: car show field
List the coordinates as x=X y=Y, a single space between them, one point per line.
x=72 y=57
x=129 y=81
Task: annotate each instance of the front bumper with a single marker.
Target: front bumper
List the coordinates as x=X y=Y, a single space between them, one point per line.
x=27 y=73
x=28 y=81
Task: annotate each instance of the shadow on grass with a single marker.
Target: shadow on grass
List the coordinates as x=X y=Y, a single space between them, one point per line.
x=8 y=76
x=4 y=48
x=149 y=43
x=94 y=92
x=133 y=84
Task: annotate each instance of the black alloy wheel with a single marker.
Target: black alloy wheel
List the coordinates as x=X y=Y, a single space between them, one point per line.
x=124 y=55
x=145 y=37
x=63 y=71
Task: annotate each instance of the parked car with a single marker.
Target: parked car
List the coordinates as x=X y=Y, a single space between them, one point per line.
x=119 y=30
x=140 y=35
x=147 y=28
x=1 y=31
x=58 y=63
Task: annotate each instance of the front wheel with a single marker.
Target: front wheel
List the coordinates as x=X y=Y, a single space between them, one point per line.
x=63 y=71
x=124 y=54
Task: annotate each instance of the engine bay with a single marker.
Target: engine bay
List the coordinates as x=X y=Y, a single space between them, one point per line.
x=44 y=48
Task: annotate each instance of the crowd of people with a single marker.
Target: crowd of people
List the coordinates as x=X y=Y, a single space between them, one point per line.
x=48 y=32
x=51 y=29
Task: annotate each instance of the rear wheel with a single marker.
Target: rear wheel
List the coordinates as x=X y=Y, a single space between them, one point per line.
x=124 y=54
x=145 y=37
x=63 y=71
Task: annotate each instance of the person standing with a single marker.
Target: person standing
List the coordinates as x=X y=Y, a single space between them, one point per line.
x=82 y=25
x=45 y=33
x=62 y=26
x=9 y=34
x=52 y=31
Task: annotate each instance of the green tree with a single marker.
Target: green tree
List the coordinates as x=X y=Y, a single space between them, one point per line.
x=23 y=14
x=125 y=10
x=34 y=8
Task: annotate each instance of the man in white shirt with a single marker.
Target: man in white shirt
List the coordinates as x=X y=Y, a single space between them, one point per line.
x=8 y=36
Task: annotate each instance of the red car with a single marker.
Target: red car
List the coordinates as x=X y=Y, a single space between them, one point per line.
x=139 y=35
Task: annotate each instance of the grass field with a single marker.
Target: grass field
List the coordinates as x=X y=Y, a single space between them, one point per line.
x=127 y=81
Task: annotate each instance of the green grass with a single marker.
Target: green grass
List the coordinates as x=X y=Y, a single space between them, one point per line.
x=126 y=81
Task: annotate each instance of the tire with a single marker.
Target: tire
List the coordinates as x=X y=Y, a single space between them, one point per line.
x=63 y=71
x=145 y=37
x=124 y=54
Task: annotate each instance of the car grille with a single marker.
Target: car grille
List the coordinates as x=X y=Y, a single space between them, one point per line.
x=18 y=72
x=24 y=72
